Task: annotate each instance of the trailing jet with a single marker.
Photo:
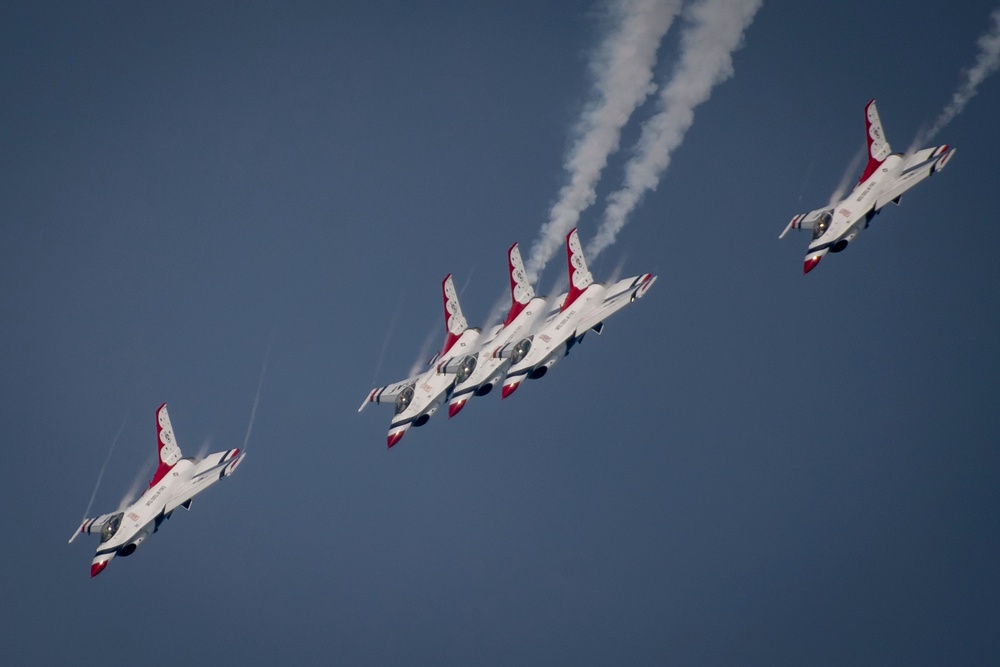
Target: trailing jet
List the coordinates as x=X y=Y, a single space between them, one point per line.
x=584 y=308
x=176 y=482
x=885 y=178
x=508 y=343
x=416 y=399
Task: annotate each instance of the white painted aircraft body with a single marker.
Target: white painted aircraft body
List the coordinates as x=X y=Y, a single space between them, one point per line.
x=886 y=177
x=416 y=399
x=507 y=343
x=176 y=482
x=584 y=308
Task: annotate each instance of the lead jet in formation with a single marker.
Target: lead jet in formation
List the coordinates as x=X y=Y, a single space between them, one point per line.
x=885 y=178
x=417 y=398
x=583 y=309
x=175 y=484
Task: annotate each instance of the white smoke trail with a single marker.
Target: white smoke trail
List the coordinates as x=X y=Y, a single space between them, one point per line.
x=425 y=349
x=256 y=398
x=623 y=71
x=715 y=31
x=388 y=335
x=852 y=171
x=140 y=479
x=987 y=62
x=206 y=446
x=107 y=459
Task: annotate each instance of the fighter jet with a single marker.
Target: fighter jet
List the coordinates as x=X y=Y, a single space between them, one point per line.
x=584 y=308
x=416 y=399
x=175 y=484
x=506 y=344
x=885 y=178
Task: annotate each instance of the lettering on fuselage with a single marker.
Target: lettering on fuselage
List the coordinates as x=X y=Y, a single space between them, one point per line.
x=865 y=192
x=156 y=495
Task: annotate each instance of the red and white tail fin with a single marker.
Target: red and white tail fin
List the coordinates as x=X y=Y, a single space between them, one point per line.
x=521 y=291
x=878 y=145
x=170 y=453
x=454 y=321
x=579 y=277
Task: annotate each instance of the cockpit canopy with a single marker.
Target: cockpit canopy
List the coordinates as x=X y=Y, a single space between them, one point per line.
x=111 y=527
x=521 y=350
x=465 y=369
x=822 y=223
x=404 y=398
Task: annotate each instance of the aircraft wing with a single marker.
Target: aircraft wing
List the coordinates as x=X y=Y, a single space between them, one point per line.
x=388 y=393
x=92 y=526
x=804 y=220
x=916 y=168
x=204 y=474
x=616 y=297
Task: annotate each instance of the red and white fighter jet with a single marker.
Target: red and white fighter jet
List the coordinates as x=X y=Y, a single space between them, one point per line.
x=584 y=308
x=509 y=343
x=176 y=482
x=885 y=178
x=416 y=399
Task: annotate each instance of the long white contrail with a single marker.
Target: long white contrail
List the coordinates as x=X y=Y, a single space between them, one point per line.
x=622 y=69
x=987 y=62
x=256 y=398
x=714 y=32
x=114 y=442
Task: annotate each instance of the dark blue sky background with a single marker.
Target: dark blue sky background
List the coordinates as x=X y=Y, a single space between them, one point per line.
x=748 y=467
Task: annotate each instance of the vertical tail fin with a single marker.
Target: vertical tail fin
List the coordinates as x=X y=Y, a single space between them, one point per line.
x=579 y=276
x=521 y=291
x=878 y=145
x=454 y=321
x=169 y=452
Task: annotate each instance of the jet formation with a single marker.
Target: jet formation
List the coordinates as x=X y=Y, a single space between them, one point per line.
x=533 y=337
x=175 y=483
x=886 y=177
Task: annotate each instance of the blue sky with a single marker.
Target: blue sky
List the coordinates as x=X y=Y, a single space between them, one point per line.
x=748 y=466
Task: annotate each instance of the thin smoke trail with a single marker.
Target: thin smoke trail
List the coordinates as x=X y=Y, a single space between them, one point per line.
x=388 y=335
x=256 y=398
x=987 y=62
x=715 y=31
x=100 y=475
x=425 y=349
x=853 y=169
x=140 y=478
x=206 y=445
x=622 y=69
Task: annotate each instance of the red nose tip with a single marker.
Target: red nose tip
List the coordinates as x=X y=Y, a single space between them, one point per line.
x=97 y=568
x=395 y=437
x=811 y=264
x=455 y=408
x=508 y=389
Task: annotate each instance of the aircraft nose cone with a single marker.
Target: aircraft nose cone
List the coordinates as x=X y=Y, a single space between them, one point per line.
x=455 y=408
x=508 y=389
x=98 y=567
x=395 y=437
x=811 y=264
